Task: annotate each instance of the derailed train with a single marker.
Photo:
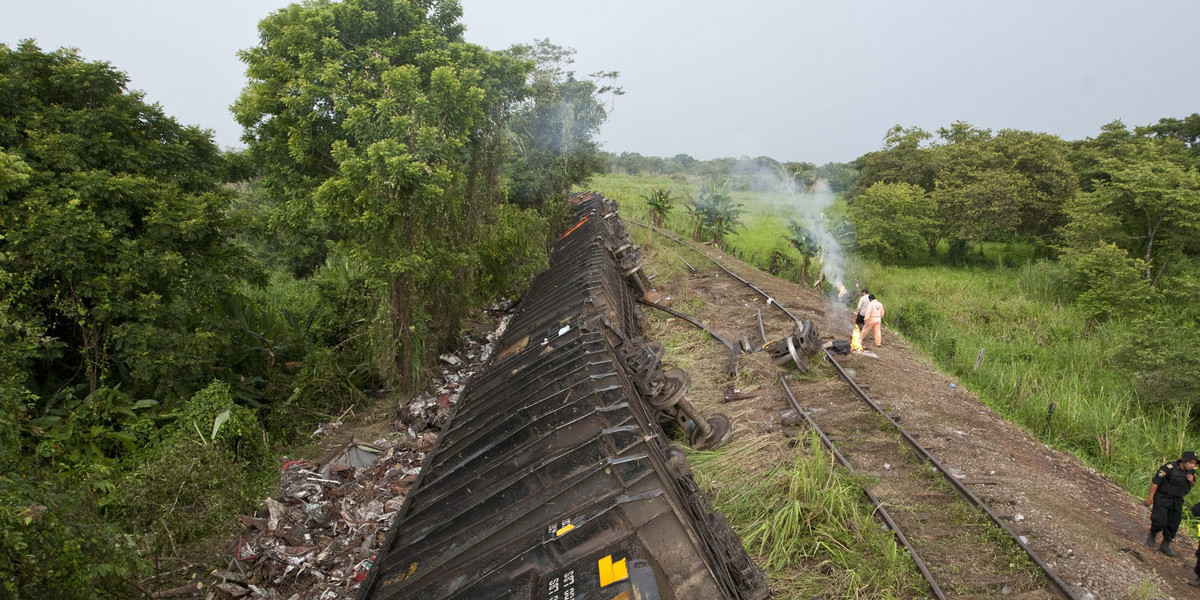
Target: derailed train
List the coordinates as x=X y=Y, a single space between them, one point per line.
x=554 y=479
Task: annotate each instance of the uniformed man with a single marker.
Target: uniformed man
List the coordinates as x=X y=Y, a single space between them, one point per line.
x=1172 y=482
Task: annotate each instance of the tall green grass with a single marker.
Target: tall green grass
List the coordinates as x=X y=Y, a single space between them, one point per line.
x=809 y=524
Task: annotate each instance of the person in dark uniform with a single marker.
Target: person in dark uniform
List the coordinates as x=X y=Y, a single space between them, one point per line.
x=1167 y=489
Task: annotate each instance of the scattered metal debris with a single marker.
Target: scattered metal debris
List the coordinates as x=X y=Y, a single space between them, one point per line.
x=320 y=536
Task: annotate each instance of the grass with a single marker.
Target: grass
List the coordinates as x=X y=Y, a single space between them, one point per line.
x=764 y=226
x=1039 y=349
x=808 y=523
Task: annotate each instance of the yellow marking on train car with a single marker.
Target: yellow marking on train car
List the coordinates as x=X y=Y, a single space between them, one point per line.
x=402 y=575
x=564 y=529
x=612 y=572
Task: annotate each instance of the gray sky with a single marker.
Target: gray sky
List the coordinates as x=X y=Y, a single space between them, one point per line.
x=791 y=79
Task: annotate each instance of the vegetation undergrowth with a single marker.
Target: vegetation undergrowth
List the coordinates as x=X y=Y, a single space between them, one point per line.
x=808 y=523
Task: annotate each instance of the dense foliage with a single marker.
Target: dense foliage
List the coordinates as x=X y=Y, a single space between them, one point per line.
x=169 y=313
x=116 y=260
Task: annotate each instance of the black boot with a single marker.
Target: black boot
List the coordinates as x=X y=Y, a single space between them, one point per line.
x=1150 y=539
x=1165 y=548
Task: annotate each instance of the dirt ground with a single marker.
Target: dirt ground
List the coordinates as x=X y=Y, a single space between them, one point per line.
x=1076 y=519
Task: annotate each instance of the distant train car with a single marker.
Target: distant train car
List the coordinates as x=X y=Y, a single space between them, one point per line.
x=553 y=479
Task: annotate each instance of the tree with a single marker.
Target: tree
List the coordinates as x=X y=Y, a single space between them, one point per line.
x=715 y=215
x=841 y=176
x=553 y=127
x=1148 y=205
x=1114 y=141
x=114 y=261
x=800 y=238
x=891 y=219
x=906 y=157
x=660 y=201
x=376 y=117
x=1013 y=182
x=1186 y=130
x=113 y=229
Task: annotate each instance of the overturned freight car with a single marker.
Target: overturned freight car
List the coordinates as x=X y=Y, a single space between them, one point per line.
x=553 y=479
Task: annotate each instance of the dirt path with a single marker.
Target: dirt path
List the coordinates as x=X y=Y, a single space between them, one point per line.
x=1077 y=520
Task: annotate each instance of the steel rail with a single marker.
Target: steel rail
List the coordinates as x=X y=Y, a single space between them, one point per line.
x=965 y=493
x=879 y=508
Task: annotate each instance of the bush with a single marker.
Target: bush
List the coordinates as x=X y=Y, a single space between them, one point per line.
x=918 y=319
x=210 y=464
x=1113 y=282
x=54 y=543
x=324 y=388
x=1156 y=352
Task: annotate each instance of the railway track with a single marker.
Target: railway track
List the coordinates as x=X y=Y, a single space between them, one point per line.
x=960 y=545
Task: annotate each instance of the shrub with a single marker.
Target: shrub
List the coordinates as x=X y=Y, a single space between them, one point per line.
x=208 y=465
x=54 y=543
x=918 y=319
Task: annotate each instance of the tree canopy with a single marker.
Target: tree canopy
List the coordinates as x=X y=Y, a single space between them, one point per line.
x=376 y=118
x=115 y=258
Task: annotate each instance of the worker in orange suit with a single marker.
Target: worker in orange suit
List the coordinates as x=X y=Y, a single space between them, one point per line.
x=874 y=319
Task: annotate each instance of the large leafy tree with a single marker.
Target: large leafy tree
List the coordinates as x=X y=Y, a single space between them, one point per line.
x=114 y=235
x=906 y=157
x=1015 y=182
x=1186 y=130
x=553 y=127
x=114 y=261
x=1147 y=204
x=376 y=118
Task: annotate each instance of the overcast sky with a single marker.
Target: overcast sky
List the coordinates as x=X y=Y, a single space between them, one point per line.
x=791 y=79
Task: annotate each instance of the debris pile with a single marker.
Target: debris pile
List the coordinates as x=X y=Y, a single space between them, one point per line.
x=318 y=539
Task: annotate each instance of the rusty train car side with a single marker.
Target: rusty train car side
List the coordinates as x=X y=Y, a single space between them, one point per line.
x=553 y=479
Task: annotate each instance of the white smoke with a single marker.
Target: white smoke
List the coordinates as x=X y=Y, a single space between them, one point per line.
x=793 y=197
x=809 y=206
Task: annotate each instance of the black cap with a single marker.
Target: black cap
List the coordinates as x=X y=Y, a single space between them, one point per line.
x=1188 y=456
